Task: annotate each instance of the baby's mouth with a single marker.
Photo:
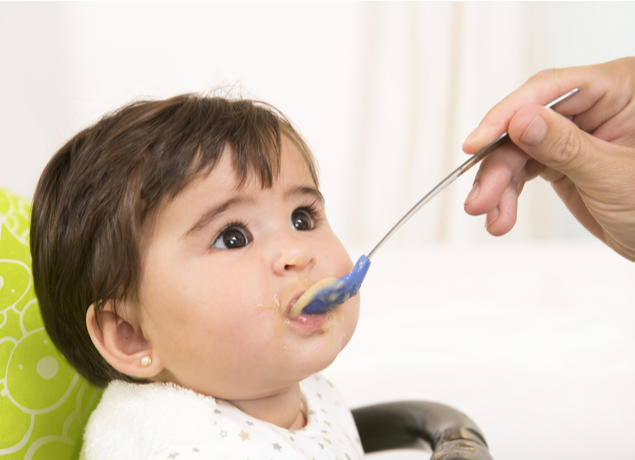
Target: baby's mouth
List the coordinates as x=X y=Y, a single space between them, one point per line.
x=297 y=304
x=304 y=322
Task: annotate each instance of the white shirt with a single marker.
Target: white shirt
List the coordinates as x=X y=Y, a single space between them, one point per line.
x=166 y=421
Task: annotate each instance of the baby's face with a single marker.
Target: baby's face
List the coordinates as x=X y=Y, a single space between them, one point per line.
x=221 y=269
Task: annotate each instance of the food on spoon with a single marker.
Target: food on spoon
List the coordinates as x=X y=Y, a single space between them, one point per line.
x=330 y=292
x=310 y=293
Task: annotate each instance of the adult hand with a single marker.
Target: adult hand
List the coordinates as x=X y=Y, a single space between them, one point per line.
x=586 y=150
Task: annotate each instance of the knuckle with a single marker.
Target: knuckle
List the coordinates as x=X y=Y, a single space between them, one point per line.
x=545 y=75
x=566 y=148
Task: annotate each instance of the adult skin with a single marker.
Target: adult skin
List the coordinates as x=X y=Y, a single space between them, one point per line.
x=586 y=150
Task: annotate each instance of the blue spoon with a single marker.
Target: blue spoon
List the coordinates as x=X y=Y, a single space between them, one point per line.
x=337 y=291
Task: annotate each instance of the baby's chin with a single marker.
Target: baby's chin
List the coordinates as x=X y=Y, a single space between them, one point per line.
x=318 y=355
x=344 y=319
x=275 y=378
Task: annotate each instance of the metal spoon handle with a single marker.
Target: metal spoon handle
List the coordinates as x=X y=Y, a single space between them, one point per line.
x=474 y=159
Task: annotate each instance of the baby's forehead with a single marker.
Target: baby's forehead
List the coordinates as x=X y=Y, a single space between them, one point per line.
x=289 y=164
x=228 y=177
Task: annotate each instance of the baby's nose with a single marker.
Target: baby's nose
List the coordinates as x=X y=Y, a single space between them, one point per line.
x=293 y=257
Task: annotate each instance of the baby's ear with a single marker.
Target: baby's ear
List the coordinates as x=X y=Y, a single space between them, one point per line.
x=118 y=337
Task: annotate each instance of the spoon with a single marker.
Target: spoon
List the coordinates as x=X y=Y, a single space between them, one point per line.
x=330 y=292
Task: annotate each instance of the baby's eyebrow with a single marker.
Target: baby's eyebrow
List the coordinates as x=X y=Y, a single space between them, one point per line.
x=304 y=190
x=209 y=215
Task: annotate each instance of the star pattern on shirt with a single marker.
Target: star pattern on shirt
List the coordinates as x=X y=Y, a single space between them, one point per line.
x=324 y=439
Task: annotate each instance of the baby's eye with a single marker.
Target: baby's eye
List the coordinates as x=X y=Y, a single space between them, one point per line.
x=303 y=219
x=232 y=237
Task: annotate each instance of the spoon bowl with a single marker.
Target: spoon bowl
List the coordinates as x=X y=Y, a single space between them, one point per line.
x=322 y=297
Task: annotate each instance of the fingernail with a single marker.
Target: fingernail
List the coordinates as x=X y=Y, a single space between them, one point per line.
x=491 y=216
x=473 y=193
x=535 y=132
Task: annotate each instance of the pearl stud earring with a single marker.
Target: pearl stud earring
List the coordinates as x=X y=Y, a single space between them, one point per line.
x=146 y=361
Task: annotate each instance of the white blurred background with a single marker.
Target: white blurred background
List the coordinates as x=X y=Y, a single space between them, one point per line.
x=530 y=334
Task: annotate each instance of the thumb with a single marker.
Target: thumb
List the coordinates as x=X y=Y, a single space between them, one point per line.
x=556 y=142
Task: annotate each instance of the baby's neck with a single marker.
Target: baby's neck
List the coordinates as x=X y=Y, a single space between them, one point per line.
x=285 y=409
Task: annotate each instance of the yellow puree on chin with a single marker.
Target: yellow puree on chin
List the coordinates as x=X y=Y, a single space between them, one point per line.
x=308 y=295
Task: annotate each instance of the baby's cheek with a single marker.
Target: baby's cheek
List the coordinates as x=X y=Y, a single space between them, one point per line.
x=333 y=248
x=341 y=260
x=349 y=314
x=354 y=311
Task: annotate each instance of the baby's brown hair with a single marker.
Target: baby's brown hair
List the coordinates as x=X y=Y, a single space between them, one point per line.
x=97 y=191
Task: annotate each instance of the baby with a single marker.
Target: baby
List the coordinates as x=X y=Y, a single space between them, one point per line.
x=170 y=241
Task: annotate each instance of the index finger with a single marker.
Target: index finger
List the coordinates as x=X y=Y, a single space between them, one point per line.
x=539 y=89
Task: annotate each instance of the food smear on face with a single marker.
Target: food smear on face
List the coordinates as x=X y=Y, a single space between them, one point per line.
x=310 y=293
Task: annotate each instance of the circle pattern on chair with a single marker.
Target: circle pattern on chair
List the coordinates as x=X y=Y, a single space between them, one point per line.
x=44 y=403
